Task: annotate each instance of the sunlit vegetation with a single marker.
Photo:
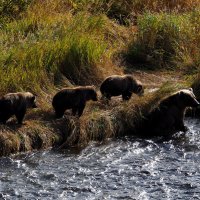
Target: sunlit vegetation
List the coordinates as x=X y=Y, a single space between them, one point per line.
x=46 y=44
x=167 y=40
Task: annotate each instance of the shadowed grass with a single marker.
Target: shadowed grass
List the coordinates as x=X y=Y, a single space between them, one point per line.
x=126 y=11
x=196 y=86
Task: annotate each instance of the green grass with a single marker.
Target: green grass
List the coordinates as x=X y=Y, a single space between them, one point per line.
x=40 y=41
x=126 y=11
x=39 y=48
x=167 y=40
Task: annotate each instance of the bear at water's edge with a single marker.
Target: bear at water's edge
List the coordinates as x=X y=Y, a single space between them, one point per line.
x=73 y=98
x=125 y=85
x=16 y=104
x=168 y=117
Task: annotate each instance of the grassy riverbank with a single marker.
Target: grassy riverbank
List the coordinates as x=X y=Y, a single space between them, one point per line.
x=46 y=45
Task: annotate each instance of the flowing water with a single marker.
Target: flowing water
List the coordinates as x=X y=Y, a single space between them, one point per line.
x=121 y=169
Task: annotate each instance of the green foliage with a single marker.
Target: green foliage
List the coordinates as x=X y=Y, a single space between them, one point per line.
x=42 y=40
x=126 y=11
x=36 y=50
x=12 y=9
x=166 y=40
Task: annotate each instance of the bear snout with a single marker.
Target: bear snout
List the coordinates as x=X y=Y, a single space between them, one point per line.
x=34 y=106
x=196 y=103
x=140 y=90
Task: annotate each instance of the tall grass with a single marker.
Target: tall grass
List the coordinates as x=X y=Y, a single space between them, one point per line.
x=10 y=10
x=126 y=11
x=46 y=39
x=49 y=41
x=167 y=40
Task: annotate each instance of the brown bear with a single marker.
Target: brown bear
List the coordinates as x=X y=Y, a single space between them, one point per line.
x=73 y=98
x=167 y=118
x=116 y=85
x=16 y=104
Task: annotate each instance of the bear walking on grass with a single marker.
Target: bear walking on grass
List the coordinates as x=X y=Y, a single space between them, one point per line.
x=16 y=104
x=168 y=117
x=73 y=98
x=116 y=85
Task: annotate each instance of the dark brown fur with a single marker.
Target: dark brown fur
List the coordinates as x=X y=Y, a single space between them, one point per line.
x=73 y=98
x=116 y=85
x=16 y=104
x=167 y=118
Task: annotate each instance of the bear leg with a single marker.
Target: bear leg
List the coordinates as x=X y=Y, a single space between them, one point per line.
x=80 y=109
x=179 y=124
x=126 y=96
x=107 y=96
x=59 y=113
x=4 y=118
x=74 y=111
x=20 y=115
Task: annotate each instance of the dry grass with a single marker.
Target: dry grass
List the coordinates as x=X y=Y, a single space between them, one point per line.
x=33 y=135
x=114 y=120
x=44 y=42
x=100 y=121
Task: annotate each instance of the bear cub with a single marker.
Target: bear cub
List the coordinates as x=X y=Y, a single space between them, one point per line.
x=125 y=85
x=73 y=98
x=168 y=117
x=16 y=104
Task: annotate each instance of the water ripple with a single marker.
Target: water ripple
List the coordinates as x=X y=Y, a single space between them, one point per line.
x=126 y=168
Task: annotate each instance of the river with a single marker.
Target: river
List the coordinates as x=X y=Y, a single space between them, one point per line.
x=126 y=168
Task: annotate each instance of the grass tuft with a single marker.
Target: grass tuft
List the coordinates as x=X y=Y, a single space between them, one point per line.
x=166 y=40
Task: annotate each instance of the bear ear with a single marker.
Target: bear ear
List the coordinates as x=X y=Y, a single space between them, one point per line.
x=181 y=93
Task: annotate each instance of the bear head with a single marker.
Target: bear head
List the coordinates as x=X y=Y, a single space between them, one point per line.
x=186 y=98
x=139 y=89
x=134 y=85
x=30 y=100
x=92 y=94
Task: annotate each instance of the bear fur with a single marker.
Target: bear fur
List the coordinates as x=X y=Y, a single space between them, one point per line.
x=73 y=98
x=16 y=104
x=168 y=117
x=125 y=85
